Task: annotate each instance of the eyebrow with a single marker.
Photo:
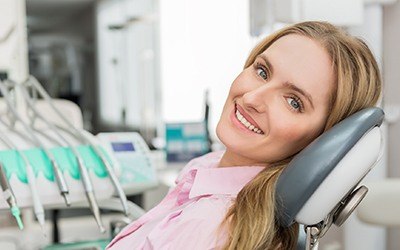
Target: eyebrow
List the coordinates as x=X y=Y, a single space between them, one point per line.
x=267 y=62
x=301 y=91
x=287 y=84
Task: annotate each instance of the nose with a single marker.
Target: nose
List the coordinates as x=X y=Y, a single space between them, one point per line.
x=256 y=100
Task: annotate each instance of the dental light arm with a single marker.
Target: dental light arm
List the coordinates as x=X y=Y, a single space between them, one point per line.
x=316 y=188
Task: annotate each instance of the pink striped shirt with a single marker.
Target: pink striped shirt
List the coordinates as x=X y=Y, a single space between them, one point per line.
x=189 y=216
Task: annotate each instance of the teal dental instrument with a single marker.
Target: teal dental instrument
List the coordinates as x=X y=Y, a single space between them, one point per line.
x=84 y=138
x=89 y=191
x=87 y=183
x=9 y=196
x=37 y=204
x=59 y=177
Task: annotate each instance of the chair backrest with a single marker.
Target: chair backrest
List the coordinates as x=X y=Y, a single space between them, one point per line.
x=329 y=169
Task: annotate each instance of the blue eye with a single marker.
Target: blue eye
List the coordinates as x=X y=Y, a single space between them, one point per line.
x=295 y=104
x=261 y=72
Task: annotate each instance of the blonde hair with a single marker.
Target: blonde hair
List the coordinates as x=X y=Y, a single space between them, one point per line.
x=250 y=221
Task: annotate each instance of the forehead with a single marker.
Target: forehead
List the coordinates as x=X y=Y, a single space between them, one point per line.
x=303 y=62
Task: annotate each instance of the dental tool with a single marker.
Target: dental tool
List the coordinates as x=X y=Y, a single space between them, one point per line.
x=9 y=196
x=59 y=177
x=37 y=204
x=83 y=137
x=87 y=183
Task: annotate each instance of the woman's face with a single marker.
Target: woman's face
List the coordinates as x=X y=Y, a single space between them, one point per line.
x=278 y=105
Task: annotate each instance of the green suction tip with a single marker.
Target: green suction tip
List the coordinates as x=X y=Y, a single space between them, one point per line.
x=15 y=212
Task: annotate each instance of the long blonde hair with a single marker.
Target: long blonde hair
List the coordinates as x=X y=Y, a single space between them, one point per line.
x=250 y=221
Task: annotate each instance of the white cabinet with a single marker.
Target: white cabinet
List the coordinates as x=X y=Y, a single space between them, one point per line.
x=127 y=46
x=158 y=58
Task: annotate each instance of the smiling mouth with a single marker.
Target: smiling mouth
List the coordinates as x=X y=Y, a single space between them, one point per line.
x=247 y=124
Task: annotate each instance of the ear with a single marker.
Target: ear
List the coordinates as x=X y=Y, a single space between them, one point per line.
x=323 y=174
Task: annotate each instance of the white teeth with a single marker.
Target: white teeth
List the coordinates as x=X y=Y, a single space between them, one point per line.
x=247 y=124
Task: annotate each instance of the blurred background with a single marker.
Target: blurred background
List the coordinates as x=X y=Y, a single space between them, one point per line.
x=143 y=65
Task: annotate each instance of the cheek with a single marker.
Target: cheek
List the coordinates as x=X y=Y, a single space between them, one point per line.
x=296 y=134
x=291 y=132
x=218 y=129
x=223 y=130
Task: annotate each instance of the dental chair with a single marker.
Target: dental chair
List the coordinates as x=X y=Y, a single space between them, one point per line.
x=319 y=187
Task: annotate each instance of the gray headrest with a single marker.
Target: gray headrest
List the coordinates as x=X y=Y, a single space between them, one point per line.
x=312 y=165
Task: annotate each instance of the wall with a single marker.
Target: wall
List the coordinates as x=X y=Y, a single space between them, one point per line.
x=391 y=76
x=199 y=41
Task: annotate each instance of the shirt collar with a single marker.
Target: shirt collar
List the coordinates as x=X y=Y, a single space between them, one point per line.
x=223 y=180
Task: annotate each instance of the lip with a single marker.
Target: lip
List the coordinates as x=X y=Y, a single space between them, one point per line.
x=245 y=115
x=237 y=124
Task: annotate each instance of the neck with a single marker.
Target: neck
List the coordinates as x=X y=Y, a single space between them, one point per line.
x=231 y=159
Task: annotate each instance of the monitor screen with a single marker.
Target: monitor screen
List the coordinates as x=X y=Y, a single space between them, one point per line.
x=122 y=146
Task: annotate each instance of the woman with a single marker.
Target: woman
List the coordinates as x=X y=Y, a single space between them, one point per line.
x=296 y=84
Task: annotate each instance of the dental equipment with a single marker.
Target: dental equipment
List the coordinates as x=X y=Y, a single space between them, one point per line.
x=9 y=196
x=84 y=138
x=87 y=183
x=37 y=204
x=59 y=177
x=308 y=190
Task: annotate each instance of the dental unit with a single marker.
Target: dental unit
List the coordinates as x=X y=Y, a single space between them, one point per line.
x=87 y=183
x=37 y=204
x=9 y=196
x=62 y=185
x=84 y=138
